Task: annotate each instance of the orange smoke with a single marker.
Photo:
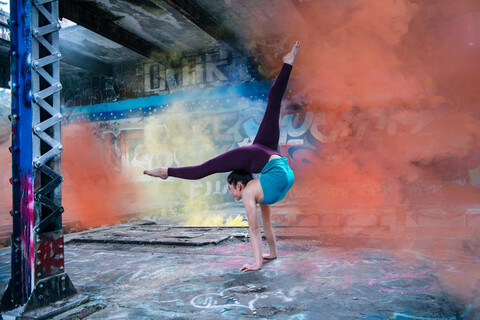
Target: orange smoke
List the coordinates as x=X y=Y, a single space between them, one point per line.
x=93 y=190
x=392 y=151
x=394 y=86
x=394 y=83
x=355 y=61
x=5 y=186
x=93 y=193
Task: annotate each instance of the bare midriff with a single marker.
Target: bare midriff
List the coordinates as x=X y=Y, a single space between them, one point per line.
x=274 y=156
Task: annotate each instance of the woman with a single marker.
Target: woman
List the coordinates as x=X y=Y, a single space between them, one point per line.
x=260 y=157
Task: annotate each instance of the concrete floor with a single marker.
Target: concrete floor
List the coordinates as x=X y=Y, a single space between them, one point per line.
x=138 y=271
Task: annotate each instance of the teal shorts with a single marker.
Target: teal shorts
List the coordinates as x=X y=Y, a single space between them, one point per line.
x=277 y=178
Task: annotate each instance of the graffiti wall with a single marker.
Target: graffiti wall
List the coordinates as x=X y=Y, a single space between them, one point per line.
x=191 y=127
x=360 y=170
x=171 y=130
x=144 y=78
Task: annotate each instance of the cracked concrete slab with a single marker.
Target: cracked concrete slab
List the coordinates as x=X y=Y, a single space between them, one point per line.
x=148 y=279
x=150 y=233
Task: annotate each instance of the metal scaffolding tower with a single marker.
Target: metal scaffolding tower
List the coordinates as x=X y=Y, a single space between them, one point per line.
x=38 y=277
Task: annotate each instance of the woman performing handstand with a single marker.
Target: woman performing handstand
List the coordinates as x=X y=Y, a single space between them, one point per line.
x=262 y=156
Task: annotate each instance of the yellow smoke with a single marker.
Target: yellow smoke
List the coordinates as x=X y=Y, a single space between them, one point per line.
x=182 y=138
x=205 y=219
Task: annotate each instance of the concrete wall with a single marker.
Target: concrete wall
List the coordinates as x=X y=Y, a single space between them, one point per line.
x=145 y=78
x=222 y=94
x=230 y=116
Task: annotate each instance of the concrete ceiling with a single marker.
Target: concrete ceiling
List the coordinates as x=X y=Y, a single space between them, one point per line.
x=116 y=31
x=84 y=49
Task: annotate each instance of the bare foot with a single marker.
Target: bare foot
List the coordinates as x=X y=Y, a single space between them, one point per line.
x=268 y=256
x=290 y=57
x=157 y=172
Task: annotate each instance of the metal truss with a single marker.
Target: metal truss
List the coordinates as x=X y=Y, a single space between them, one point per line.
x=38 y=276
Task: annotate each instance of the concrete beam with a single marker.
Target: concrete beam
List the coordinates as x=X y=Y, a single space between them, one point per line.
x=102 y=22
x=76 y=59
x=191 y=10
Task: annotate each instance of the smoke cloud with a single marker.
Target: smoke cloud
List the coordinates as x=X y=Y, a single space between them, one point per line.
x=94 y=193
x=179 y=138
x=394 y=88
x=393 y=85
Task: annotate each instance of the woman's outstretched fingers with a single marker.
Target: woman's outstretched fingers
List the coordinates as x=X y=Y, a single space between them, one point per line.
x=250 y=267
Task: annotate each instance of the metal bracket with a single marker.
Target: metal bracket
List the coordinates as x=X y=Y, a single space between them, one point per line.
x=49 y=290
x=51 y=217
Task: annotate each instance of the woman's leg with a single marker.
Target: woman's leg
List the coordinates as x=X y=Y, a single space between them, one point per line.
x=243 y=158
x=236 y=159
x=269 y=130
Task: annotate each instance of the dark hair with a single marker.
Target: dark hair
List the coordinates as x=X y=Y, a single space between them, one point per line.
x=239 y=175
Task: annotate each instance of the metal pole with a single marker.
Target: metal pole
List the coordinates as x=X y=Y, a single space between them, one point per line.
x=38 y=277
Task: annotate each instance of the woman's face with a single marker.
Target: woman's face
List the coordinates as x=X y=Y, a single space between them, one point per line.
x=236 y=191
